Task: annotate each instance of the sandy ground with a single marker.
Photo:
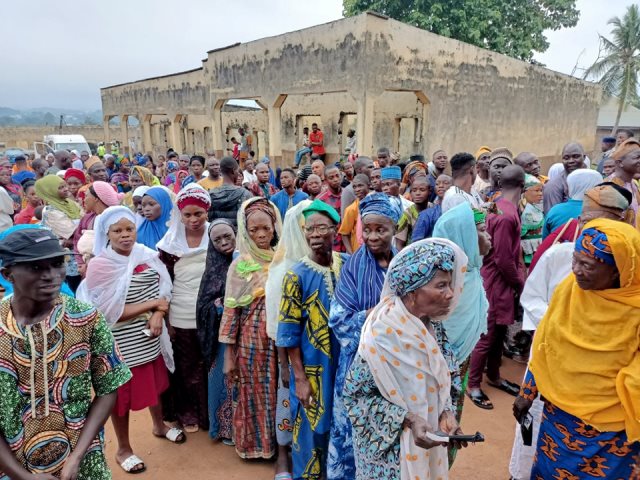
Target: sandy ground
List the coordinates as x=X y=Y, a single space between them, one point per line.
x=200 y=458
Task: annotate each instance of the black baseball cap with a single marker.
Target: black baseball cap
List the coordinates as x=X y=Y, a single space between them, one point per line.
x=30 y=245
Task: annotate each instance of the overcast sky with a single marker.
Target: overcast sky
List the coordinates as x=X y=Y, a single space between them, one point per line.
x=60 y=53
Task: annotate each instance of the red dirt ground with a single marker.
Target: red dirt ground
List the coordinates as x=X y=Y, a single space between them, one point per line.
x=200 y=458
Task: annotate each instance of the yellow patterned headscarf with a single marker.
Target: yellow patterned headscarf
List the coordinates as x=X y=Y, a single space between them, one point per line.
x=586 y=352
x=247 y=274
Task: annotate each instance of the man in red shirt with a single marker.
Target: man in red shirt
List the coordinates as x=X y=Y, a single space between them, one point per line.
x=316 y=138
x=333 y=196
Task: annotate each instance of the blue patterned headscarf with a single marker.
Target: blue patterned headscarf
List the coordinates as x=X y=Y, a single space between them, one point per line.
x=595 y=244
x=416 y=265
x=378 y=203
x=151 y=231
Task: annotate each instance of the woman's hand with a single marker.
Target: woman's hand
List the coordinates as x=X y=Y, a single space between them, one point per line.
x=155 y=324
x=419 y=429
x=230 y=368
x=521 y=407
x=304 y=392
x=71 y=467
x=449 y=425
x=161 y=305
x=284 y=376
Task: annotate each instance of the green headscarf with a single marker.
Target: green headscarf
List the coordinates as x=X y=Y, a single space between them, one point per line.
x=47 y=190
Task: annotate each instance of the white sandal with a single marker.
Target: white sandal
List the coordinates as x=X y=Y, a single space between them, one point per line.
x=173 y=435
x=132 y=462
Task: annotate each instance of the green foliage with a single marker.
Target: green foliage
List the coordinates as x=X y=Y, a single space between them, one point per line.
x=513 y=27
x=618 y=64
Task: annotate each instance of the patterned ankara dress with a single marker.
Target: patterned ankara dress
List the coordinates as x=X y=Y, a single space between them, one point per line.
x=304 y=323
x=254 y=414
x=358 y=290
x=570 y=449
x=42 y=430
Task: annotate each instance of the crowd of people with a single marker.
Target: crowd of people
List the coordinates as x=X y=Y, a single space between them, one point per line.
x=332 y=317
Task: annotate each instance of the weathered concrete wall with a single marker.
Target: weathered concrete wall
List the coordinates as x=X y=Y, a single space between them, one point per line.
x=400 y=86
x=23 y=137
x=182 y=93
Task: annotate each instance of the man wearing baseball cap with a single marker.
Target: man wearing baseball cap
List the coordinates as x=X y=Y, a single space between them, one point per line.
x=51 y=421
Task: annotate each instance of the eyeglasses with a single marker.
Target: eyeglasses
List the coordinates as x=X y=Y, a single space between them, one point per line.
x=321 y=229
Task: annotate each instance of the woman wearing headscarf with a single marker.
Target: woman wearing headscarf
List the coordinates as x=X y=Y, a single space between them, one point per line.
x=75 y=179
x=413 y=168
x=398 y=388
x=209 y=308
x=183 y=249
x=468 y=321
x=303 y=329
x=586 y=361
x=98 y=197
x=171 y=169
x=138 y=177
x=120 y=178
x=579 y=181
x=128 y=283
x=13 y=188
x=357 y=292
x=606 y=200
x=291 y=248
x=61 y=215
x=156 y=211
x=531 y=218
x=250 y=356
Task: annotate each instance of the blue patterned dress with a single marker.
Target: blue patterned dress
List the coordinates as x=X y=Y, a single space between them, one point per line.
x=568 y=448
x=303 y=323
x=358 y=290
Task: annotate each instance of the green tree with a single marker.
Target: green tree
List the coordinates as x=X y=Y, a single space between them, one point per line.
x=618 y=64
x=513 y=27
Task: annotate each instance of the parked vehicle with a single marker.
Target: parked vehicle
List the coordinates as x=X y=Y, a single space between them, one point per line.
x=61 y=142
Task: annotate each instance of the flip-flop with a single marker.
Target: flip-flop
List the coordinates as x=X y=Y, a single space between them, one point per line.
x=480 y=400
x=507 y=387
x=132 y=462
x=173 y=435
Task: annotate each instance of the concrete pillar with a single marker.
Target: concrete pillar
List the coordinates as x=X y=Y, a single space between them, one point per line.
x=147 y=142
x=364 y=130
x=175 y=133
x=217 y=129
x=124 y=134
x=273 y=106
x=107 y=132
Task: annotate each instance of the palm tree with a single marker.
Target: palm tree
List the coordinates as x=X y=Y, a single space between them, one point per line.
x=618 y=64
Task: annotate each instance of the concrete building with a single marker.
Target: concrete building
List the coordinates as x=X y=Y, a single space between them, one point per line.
x=629 y=120
x=397 y=85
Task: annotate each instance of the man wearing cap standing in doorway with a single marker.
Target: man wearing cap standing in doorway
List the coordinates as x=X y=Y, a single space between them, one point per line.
x=52 y=428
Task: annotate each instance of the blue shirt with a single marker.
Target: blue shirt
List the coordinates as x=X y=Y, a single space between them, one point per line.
x=283 y=202
x=426 y=222
x=560 y=214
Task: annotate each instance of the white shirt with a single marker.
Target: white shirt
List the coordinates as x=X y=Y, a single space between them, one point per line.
x=248 y=177
x=454 y=196
x=552 y=268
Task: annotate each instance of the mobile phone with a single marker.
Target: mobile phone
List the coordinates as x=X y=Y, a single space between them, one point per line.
x=526 y=429
x=476 y=438
x=146 y=331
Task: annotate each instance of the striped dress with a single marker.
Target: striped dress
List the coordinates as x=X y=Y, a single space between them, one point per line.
x=136 y=347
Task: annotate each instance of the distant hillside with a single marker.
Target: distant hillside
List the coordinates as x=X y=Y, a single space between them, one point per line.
x=48 y=116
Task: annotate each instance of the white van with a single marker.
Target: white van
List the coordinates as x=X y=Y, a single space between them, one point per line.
x=62 y=142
